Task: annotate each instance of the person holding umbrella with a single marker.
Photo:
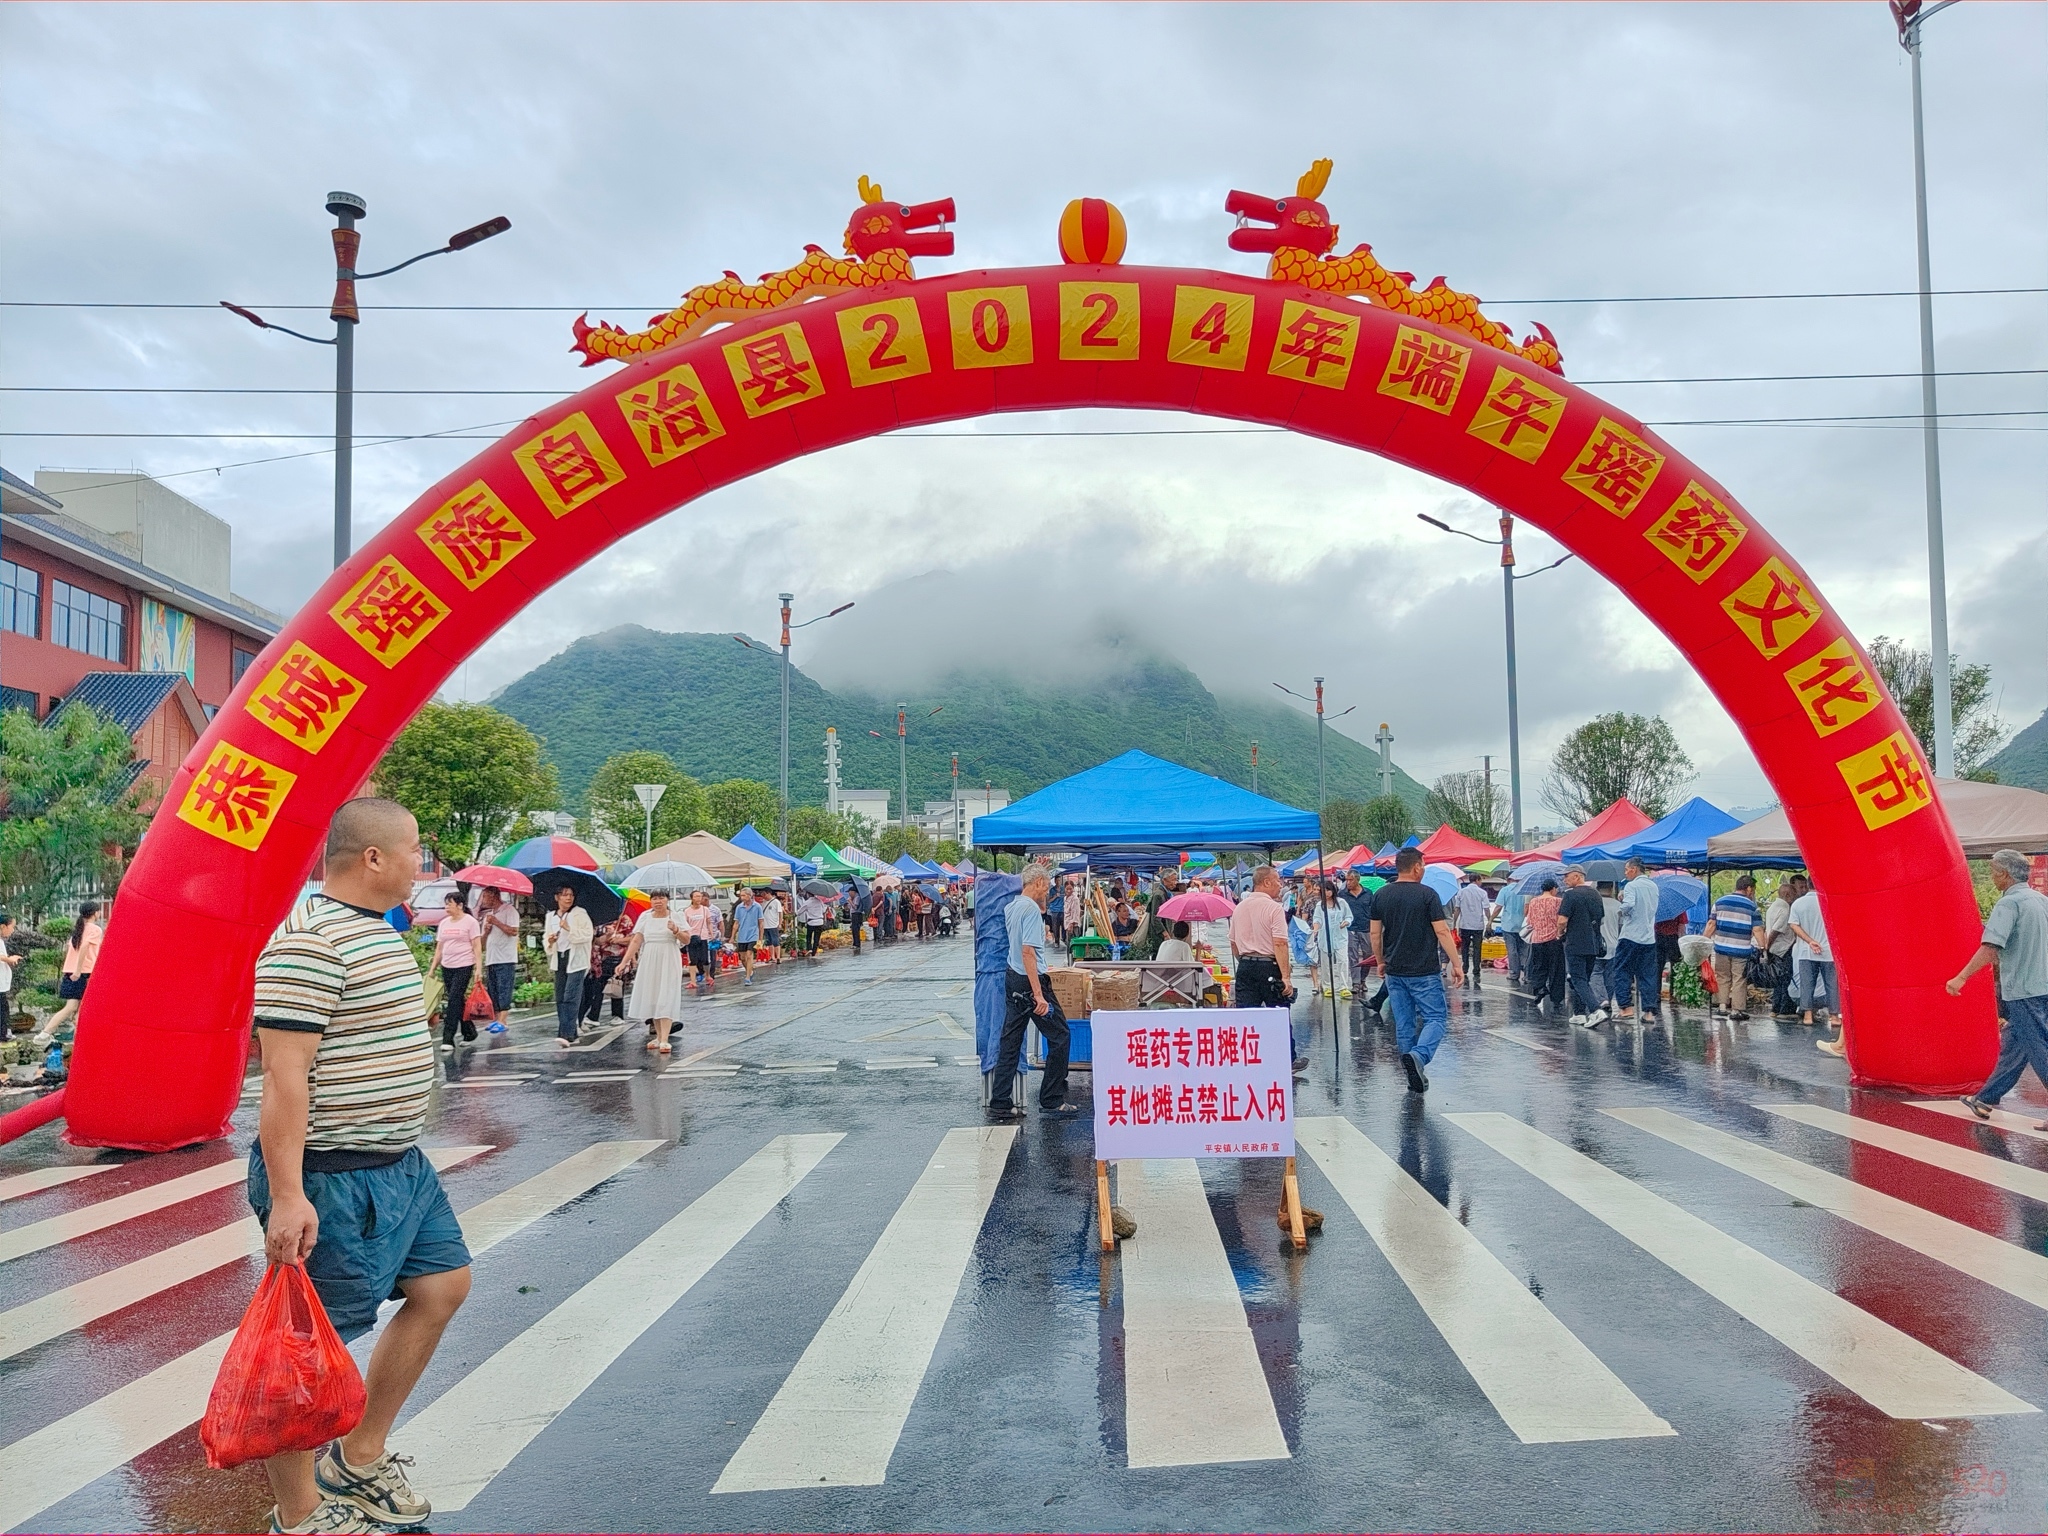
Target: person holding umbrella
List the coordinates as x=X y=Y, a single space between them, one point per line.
x=566 y=940
x=771 y=926
x=499 y=916
x=657 y=946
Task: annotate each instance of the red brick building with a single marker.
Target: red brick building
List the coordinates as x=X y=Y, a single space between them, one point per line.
x=114 y=591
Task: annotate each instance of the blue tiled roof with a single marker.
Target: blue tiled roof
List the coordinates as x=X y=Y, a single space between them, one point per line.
x=126 y=698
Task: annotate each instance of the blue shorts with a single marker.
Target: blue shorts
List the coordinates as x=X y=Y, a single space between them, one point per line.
x=378 y=1227
x=498 y=981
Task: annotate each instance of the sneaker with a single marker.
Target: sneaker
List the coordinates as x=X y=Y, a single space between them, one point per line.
x=1418 y=1080
x=378 y=1490
x=1977 y=1106
x=1066 y=1111
x=1583 y=1019
x=1739 y=1016
x=329 y=1515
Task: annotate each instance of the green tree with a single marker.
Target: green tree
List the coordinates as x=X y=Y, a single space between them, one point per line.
x=614 y=807
x=1615 y=755
x=732 y=803
x=69 y=809
x=1387 y=820
x=1343 y=824
x=1909 y=674
x=468 y=772
x=897 y=841
x=946 y=851
x=1470 y=804
x=810 y=825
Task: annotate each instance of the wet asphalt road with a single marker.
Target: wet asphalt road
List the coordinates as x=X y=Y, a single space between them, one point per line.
x=1023 y=1417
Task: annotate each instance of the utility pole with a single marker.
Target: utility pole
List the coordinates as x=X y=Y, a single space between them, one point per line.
x=1911 y=16
x=1507 y=587
x=782 y=794
x=959 y=825
x=1255 y=767
x=831 y=770
x=903 y=769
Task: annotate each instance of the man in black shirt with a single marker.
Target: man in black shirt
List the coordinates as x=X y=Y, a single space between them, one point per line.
x=1579 y=921
x=1408 y=930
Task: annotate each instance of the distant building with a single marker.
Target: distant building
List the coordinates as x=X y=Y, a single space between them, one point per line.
x=955 y=818
x=873 y=804
x=115 y=591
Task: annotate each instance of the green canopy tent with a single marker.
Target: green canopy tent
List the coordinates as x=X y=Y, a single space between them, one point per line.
x=830 y=865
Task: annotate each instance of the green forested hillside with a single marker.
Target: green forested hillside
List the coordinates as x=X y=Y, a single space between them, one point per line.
x=2024 y=760
x=711 y=704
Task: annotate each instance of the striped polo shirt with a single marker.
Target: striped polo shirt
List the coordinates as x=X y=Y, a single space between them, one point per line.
x=343 y=973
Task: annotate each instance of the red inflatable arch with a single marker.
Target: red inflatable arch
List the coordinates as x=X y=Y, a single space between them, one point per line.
x=165 y=1031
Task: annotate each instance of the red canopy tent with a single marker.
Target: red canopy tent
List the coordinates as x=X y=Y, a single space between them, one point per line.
x=1618 y=820
x=1447 y=845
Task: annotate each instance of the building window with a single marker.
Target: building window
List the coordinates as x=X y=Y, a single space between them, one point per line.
x=242 y=662
x=21 y=600
x=19 y=698
x=85 y=621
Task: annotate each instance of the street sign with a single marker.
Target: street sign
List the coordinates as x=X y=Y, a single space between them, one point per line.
x=1196 y=1082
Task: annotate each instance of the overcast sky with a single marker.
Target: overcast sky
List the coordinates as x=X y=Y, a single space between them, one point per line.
x=1532 y=154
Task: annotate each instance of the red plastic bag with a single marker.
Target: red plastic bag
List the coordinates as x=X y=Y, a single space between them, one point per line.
x=287 y=1384
x=476 y=1007
x=1708 y=979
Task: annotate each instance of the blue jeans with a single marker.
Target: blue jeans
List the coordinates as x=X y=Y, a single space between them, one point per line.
x=1410 y=995
x=1635 y=967
x=1580 y=969
x=2024 y=1044
x=568 y=1003
x=1816 y=976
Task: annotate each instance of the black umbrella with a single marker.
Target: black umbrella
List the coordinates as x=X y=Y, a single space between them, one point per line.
x=595 y=897
x=825 y=890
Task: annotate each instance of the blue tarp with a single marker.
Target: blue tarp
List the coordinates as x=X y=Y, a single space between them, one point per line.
x=993 y=893
x=751 y=840
x=1294 y=867
x=1138 y=801
x=1679 y=839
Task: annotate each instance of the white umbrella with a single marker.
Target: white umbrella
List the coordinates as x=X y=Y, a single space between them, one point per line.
x=671 y=875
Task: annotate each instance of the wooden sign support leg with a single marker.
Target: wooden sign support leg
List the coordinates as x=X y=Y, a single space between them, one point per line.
x=1102 y=1217
x=1292 y=1185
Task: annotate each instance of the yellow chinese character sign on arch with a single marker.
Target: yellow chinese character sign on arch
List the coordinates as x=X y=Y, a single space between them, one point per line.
x=1314 y=345
x=388 y=611
x=669 y=414
x=883 y=342
x=1889 y=781
x=305 y=697
x=1774 y=607
x=1834 y=687
x=235 y=796
x=1518 y=415
x=475 y=534
x=1212 y=328
x=1099 y=322
x=1697 y=533
x=1615 y=469
x=568 y=464
x=1425 y=369
x=774 y=370
x=991 y=326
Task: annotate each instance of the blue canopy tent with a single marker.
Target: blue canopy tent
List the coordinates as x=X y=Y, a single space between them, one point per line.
x=1679 y=840
x=909 y=868
x=1116 y=814
x=751 y=840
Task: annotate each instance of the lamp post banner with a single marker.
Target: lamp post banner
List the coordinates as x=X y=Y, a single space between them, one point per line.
x=1210 y=1082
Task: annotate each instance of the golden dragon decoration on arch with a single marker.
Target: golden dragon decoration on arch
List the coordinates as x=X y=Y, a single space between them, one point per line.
x=1299 y=236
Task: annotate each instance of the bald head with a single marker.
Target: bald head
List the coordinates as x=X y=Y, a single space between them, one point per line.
x=373 y=853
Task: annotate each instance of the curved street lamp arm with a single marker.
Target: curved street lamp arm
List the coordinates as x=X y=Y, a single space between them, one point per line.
x=260 y=323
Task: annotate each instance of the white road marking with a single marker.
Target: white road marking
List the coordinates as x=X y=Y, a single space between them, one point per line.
x=2001 y=1119
x=2017 y=1177
x=1194 y=1393
x=500 y=1080
x=802 y=1066
x=1977 y=1254
x=102 y=1214
x=596 y=1042
x=469 y=1434
x=1522 y=1037
x=54 y=1462
x=37 y=1180
x=1892 y=1371
x=1545 y=1383
x=836 y=1419
x=899 y=1063
x=617 y=1075
x=88 y=1301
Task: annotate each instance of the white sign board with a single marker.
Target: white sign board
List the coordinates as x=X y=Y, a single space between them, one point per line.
x=1194 y=1082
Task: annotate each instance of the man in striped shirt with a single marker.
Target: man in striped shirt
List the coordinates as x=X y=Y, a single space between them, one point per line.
x=337 y=1176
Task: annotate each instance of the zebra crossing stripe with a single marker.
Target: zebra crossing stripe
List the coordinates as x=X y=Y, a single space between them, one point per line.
x=2017 y=1177
x=59 y=1312
x=1892 y=1371
x=471 y=1432
x=102 y=1214
x=2001 y=1119
x=40 y=1179
x=1525 y=1039
x=1194 y=1392
x=56 y=1461
x=1977 y=1254
x=1546 y=1384
x=836 y=1419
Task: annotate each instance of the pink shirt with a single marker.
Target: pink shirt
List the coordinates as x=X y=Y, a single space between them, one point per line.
x=455 y=941
x=1259 y=926
x=701 y=922
x=79 y=959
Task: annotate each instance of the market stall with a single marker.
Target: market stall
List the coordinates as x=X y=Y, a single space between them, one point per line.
x=1619 y=820
x=1679 y=841
x=1987 y=817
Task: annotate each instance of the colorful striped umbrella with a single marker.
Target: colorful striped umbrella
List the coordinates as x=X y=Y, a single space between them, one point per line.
x=537 y=853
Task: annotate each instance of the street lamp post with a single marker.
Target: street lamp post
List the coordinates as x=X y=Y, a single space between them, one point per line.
x=347 y=208
x=1255 y=767
x=1911 y=16
x=1322 y=874
x=782 y=791
x=1508 y=578
x=959 y=831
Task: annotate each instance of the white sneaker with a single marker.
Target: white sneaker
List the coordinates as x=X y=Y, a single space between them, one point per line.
x=330 y=1517
x=379 y=1491
x=1580 y=1018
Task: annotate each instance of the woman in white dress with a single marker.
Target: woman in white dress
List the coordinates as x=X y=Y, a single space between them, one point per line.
x=657 y=945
